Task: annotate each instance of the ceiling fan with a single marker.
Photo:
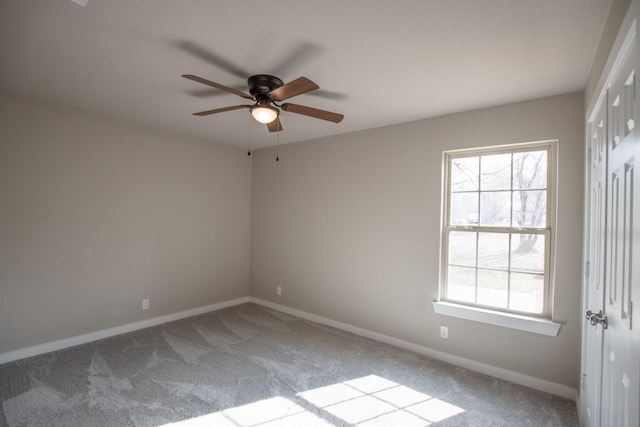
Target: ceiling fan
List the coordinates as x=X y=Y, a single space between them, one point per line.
x=267 y=91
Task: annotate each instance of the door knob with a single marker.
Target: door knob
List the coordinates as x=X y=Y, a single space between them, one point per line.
x=595 y=318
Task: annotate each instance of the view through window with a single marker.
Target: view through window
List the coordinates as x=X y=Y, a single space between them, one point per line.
x=497 y=239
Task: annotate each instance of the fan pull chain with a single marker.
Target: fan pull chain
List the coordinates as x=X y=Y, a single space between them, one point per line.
x=250 y=137
x=278 y=146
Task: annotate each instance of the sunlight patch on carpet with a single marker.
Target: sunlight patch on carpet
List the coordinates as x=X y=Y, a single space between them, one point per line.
x=376 y=401
x=370 y=401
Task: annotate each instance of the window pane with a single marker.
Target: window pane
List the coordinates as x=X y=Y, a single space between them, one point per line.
x=495 y=172
x=527 y=252
x=493 y=250
x=492 y=288
x=462 y=248
x=464 y=174
x=462 y=284
x=464 y=208
x=530 y=170
x=530 y=208
x=495 y=208
x=527 y=292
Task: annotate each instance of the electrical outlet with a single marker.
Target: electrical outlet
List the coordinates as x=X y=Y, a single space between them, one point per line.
x=444 y=332
x=278 y=290
x=145 y=304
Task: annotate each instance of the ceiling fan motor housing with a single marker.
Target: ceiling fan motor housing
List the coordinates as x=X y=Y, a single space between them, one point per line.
x=261 y=84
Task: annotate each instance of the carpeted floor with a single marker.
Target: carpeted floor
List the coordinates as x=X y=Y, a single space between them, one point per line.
x=252 y=366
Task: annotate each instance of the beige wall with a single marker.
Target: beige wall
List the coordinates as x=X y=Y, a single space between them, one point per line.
x=97 y=214
x=349 y=227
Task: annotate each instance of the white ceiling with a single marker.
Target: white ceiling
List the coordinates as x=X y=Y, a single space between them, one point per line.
x=377 y=62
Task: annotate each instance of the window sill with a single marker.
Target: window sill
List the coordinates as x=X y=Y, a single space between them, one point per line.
x=496 y=318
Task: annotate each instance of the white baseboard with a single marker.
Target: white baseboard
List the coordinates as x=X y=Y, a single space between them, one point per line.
x=515 y=377
x=106 y=333
x=483 y=368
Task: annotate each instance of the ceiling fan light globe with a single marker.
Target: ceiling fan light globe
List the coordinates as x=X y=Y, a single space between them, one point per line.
x=264 y=114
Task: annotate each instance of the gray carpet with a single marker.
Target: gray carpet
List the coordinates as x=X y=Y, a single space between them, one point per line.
x=252 y=366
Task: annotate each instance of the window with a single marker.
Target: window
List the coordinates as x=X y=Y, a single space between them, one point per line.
x=499 y=213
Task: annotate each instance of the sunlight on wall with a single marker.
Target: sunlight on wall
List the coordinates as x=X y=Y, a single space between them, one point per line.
x=369 y=401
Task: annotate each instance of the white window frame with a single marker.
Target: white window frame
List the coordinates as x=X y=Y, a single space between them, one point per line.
x=531 y=322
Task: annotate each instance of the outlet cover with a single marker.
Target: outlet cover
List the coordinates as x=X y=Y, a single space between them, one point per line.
x=145 y=304
x=444 y=332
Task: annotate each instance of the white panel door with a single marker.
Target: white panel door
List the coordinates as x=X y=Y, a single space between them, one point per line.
x=620 y=363
x=592 y=337
x=610 y=395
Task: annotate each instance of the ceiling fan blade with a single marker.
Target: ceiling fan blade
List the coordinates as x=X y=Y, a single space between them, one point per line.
x=302 y=52
x=327 y=94
x=212 y=93
x=221 y=110
x=212 y=58
x=275 y=126
x=297 y=87
x=217 y=85
x=313 y=112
